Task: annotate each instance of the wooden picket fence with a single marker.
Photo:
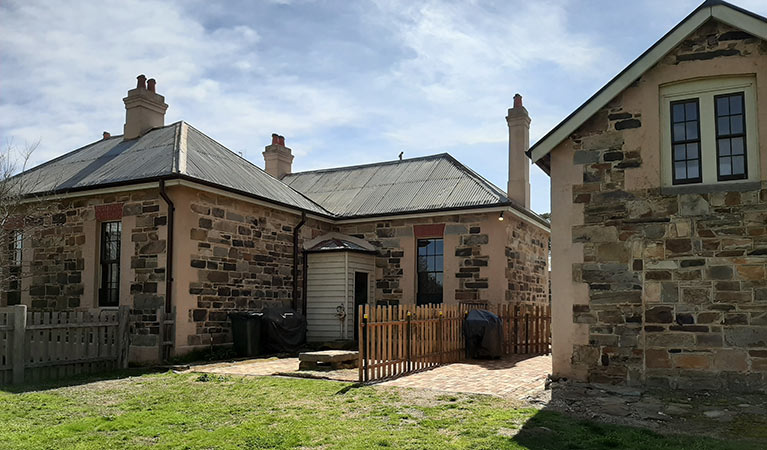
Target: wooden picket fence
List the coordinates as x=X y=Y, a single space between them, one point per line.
x=36 y=346
x=398 y=340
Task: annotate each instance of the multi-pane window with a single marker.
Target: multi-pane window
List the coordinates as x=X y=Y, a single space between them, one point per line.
x=709 y=133
x=430 y=271
x=731 y=136
x=685 y=142
x=109 y=289
x=15 y=248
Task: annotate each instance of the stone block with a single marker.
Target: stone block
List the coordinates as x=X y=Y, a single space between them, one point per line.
x=594 y=233
x=475 y=239
x=691 y=361
x=751 y=273
x=720 y=273
x=659 y=314
x=670 y=340
x=708 y=340
x=696 y=296
x=679 y=246
x=613 y=252
x=452 y=229
x=152 y=248
x=693 y=205
x=585 y=157
x=730 y=360
x=745 y=336
x=657 y=359
x=669 y=292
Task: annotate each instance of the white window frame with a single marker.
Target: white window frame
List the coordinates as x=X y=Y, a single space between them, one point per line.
x=704 y=90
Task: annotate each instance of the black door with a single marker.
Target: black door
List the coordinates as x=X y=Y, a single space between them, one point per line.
x=360 y=298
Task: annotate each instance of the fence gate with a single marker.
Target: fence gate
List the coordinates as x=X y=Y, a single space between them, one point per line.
x=400 y=339
x=35 y=346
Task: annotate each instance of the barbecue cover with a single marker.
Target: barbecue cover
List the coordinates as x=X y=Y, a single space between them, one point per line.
x=284 y=330
x=483 y=332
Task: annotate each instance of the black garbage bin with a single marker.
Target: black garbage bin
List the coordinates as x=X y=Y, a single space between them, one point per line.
x=246 y=333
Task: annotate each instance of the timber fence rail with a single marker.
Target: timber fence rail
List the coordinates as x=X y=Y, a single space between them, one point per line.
x=36 y=346
x=398 y=340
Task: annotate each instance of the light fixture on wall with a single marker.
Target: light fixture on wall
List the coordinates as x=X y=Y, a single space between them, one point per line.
x=501 y=217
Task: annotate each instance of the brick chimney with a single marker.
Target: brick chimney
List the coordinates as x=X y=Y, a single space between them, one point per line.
x=278 y=160
x=518 y=120
x=144 y=109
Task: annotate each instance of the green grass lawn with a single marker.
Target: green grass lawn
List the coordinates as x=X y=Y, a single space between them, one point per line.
x=208 y=411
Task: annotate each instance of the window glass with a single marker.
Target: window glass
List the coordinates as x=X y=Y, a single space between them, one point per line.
x=430 y=271
x=730 y=137
x=109 y=290
x=15 y=248
x=685 y=140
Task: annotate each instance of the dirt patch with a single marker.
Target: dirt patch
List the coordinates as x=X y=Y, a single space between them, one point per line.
x=716 y=414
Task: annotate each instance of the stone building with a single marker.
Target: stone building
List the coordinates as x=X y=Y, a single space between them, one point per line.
x=659 y=214
x=169 y=222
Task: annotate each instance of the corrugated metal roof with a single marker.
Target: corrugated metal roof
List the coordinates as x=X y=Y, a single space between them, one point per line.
x=434 y=182
x=431 y=183
x=157 y=154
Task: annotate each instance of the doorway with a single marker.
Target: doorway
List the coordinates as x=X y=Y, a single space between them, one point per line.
x=361 y=289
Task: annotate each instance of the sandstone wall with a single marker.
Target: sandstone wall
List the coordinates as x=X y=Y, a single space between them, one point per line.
x=61 y=253
x=486 y=260
x=677 y=294
x=233 y=255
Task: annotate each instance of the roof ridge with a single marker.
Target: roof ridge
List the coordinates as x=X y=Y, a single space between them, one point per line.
x=250 y=163
x=477 y=177
x=362 y=166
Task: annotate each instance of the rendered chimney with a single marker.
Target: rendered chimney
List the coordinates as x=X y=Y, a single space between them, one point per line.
x=278 y=160
x=107 y=135
x=518 y=120
x=144 y=109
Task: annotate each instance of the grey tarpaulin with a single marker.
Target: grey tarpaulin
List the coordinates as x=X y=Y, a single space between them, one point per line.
x=483 y=332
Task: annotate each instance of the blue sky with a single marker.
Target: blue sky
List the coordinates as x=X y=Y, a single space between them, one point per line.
x=345 y=82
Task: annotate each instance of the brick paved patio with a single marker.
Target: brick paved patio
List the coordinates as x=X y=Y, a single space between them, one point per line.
x=273 y=366
x=515 y=377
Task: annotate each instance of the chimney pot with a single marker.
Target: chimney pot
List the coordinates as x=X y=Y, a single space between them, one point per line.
x=150 y=84
x=517 y=101
x=107 y=135
x=144 y=109
x=278 y=159
x=518 y=120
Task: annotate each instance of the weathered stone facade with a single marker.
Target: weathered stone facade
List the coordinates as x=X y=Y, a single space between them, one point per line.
x=527 y=265
x=242 y=255
x=677 y=285
x=61 y=248
x=486 y=260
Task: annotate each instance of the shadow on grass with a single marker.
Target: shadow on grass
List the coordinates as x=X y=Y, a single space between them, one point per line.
x=78 y=380
x=549 y=429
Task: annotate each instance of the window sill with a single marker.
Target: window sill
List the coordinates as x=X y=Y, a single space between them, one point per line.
x=709 y=188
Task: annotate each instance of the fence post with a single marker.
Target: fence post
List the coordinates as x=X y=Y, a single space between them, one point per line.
x=19 y=339
x=408 y=342
x=527 y=331
x=364 y=346
x=439 y=337
x=123 y=345
x=516 y=329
